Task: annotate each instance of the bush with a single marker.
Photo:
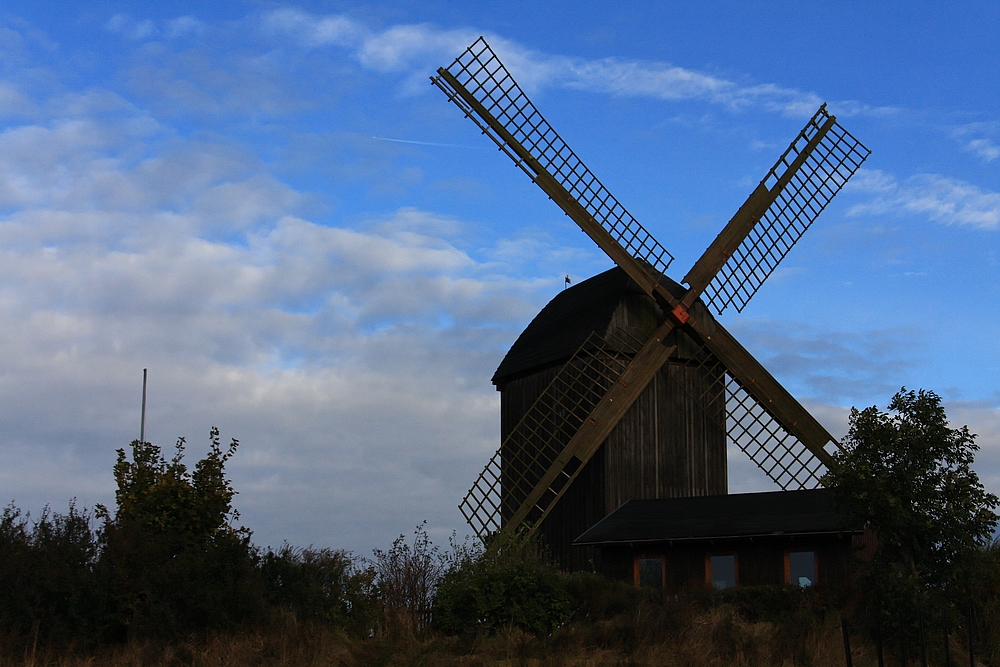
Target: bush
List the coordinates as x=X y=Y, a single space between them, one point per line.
x=320 y=585
x=48 y=590
x=170 y=556
x=509 y=585
x=407 y=579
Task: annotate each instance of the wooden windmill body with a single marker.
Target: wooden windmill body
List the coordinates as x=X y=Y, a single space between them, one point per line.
x=625 y=386
x=665 y=445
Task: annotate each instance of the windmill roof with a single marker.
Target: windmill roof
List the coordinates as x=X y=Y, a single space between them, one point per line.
x=566 y=321
x=713 y=517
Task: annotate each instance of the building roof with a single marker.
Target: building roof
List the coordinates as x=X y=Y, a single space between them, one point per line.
x=566 y=321
x=714 y=517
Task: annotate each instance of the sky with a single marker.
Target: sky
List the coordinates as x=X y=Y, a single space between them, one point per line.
x=269 y=207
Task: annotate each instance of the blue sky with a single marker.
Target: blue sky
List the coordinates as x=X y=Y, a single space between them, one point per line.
x=269 y=207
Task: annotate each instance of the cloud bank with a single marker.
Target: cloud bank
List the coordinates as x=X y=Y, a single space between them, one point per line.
x=940 y=198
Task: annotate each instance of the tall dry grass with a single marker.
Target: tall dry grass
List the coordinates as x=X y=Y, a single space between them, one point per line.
x=646 y=635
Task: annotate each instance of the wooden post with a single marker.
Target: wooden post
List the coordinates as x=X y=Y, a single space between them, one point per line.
x=972 y=636
x=902 y=642
x=847 y=641
x=947 y=647
x=923 y=641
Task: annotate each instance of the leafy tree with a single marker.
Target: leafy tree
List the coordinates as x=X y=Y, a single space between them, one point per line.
x=171 y=556
x=909 y=475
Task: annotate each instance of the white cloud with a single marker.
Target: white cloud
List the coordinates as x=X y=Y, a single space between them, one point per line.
x=315 y=31
x=419 y=48
x=940 y=198
x=131 y=28
x=184 y=25
x=829 y=366
x=977 y=138
x=983 y=148
x=352 y=361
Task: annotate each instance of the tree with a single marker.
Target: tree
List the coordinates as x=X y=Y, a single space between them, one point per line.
x=908 y=475
x=173 y=560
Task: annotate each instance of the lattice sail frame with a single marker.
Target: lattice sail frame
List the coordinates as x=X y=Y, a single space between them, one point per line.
x=543 y=433
x=492 y=96
x=480 y=71
x=751 y=427
x=836 y=158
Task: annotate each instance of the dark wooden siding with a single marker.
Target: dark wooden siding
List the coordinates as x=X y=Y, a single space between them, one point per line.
x=760 y=561
x=665 y=446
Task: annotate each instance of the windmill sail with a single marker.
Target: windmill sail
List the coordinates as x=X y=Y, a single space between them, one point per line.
x=562 y=430
x=487 y=93
x=767 y=424
x=806 y=177
x=565 y=426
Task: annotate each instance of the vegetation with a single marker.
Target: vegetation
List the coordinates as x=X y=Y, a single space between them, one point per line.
x=511 y=585
x=909 y=475
x=169 y=577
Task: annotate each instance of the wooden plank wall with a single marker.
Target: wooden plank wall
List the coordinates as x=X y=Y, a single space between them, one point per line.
x=666 y=445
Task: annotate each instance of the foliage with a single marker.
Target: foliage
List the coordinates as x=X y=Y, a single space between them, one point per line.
x=909 y=475
x=984 y=598
x=407 y=578
x=508 y=585
x=156 y=496
x=171 y=558
x=46 y=568
x=320 y=585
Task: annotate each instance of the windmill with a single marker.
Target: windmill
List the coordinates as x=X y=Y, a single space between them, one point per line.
x=583 y=402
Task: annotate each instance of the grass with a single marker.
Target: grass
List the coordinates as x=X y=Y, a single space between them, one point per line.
x=665 y=634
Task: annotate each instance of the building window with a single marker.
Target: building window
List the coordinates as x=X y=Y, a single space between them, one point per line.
x=720 y=571
x=800 y=568
x=650 y=571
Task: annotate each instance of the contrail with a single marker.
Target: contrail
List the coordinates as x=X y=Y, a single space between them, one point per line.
x=427 y=143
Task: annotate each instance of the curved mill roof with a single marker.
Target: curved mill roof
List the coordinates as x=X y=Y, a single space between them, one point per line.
x=566 y=321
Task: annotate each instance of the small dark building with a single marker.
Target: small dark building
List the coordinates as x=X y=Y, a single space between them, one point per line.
x=782 y=537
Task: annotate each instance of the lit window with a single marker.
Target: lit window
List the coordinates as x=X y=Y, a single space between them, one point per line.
x=722 y=571
x=649 y=572
x=801 y=568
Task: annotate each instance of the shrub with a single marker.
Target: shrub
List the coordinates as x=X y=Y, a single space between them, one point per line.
x=509 y=585
x=406 y=578
x=48 y=587
x=320 y=585
x=171 y=558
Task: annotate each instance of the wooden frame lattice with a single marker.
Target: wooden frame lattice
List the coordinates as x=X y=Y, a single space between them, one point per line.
x=824 y=172
x=531 y=448
x=482 y=74
x=752 y=428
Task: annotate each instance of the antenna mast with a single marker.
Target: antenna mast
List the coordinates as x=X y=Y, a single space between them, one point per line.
x=142 y=419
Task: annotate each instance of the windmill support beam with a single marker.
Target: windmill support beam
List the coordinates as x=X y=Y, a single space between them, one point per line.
x=768 y=392
x=560 y=196
x=599 y=424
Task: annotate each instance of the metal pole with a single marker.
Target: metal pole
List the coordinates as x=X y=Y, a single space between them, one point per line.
x=847 y=641
x=142 y=420
x=923 y=641
x=947 y=647
x=878 y=637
